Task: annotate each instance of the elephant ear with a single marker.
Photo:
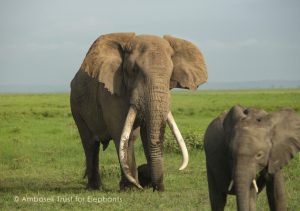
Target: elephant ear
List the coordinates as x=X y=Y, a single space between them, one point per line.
x=189 y=67
x=104 y=60
x=285 y=138
x=235 y=114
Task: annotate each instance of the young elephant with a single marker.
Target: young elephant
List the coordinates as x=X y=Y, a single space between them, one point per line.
x=245 y=151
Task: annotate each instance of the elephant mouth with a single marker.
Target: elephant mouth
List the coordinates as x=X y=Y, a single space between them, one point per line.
x=130 y=119
x=257 y=183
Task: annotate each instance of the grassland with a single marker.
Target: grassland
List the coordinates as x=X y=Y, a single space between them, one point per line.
x=41 y=155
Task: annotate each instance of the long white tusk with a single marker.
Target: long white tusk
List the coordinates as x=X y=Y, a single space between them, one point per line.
x=230 y=185
x=124 y=145
x=255 y=185
x=173 y=126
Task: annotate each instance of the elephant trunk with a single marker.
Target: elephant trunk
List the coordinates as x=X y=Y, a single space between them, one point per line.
x=157 y=110
x=243 y=179
x=154 y=109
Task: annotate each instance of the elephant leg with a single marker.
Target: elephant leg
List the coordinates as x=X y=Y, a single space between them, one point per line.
x=91 y=150
x=145 y=170
x=275 y=192
x=217 y=197
x=124 y=183
x=145 y=143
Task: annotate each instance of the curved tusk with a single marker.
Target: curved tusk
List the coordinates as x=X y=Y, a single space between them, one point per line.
x=255 y=185
x=230 y=185
x=124 y=145
x=173 y=126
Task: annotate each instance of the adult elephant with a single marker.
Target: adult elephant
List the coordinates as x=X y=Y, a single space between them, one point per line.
x=245 y=151
x=122 y=86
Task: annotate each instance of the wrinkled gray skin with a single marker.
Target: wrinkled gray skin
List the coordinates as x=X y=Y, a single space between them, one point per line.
x=246 y=144
x=144 y=175
x=122 y=70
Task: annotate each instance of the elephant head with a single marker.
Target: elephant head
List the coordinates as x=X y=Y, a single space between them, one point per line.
x=143 y=69
x=259 y=142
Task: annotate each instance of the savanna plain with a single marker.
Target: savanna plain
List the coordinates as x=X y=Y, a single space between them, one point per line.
x=42 y=160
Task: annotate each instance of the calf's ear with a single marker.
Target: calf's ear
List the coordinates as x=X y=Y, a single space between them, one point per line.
x=235 y=114
x=285 y=138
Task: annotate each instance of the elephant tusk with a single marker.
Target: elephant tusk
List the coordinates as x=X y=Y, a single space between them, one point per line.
x=230 y=185
x=173 y=126
x=255 y=185
x=124 y=145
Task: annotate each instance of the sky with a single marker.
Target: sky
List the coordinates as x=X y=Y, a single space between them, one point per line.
x=44 y=42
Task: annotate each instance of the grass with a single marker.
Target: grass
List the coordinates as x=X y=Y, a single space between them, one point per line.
x=41 y=157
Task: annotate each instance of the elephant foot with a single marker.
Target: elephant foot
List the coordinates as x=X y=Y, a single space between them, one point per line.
x=159 y=187
x=127 y=186
x=144 y=175
x=94 y=184
x=93 y=187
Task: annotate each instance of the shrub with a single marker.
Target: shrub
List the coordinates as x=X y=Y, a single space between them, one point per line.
x=192 y=138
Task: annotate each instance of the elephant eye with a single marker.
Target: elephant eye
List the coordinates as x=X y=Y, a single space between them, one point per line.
x=259 y=155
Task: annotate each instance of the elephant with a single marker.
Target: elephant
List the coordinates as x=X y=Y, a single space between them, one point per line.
x=246 y=149
x=122 y=91
x=144 y=175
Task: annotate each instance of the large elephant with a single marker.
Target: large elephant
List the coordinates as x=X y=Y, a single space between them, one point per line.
x=122 y=87
x=245 y=151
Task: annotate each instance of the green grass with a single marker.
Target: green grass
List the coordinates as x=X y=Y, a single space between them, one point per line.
x=41 y=155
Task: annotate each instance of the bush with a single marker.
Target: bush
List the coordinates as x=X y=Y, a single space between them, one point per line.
x=193 y=140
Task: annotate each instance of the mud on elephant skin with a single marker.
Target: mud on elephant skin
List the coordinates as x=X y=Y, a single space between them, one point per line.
x=246 y=149
x=122 y=90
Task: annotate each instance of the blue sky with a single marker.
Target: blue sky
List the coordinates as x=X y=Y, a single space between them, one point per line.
x=44 y=42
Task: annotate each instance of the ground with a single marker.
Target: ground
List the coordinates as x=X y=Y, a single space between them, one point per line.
x=42 y=160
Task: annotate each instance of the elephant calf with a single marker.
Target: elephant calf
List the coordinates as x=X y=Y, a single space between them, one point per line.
x=245 y=151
